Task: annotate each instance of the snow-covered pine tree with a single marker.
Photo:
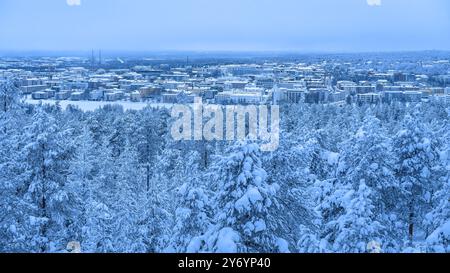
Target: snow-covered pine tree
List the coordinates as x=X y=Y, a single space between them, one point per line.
x=15 y=230
x=358 y=226
x=288 y=167
x=9 y=95
x=332 y=197
x=81 y=183
x=150 y=141
x=367 y=156
x=309 y=241
x=439 y=217
x=192 y=220
x=129 y=197
x=97 y=234
x=47 y=165
x=158 y=219
x=439 y=239
x=417 y=157
x=243 y=221
x=192 y=213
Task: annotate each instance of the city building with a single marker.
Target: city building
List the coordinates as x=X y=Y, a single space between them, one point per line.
x=369 y=98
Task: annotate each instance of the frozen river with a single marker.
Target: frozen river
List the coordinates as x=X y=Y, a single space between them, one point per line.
x=93 y=105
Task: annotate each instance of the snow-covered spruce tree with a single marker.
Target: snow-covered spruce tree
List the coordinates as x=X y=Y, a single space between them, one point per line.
x=243 y=221
x=417 y=158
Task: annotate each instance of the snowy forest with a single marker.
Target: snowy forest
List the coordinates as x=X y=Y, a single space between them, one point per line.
x=344 y=178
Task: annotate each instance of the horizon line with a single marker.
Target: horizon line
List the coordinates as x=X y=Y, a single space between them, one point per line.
x=46 y=53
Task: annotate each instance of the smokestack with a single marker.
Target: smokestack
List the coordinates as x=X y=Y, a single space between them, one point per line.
x=92 y=58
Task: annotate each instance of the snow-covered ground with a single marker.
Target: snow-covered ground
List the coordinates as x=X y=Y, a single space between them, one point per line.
x=93 y=105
